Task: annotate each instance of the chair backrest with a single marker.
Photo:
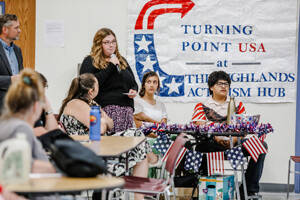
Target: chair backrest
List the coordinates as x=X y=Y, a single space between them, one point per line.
x=176 y=148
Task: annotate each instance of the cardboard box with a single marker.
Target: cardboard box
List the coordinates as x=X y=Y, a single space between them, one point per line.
x=216 y=188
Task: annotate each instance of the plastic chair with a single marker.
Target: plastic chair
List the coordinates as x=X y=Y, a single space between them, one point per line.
x=155 y=187
x=296 y=159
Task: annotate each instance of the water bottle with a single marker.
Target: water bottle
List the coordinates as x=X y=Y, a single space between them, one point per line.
x=95 y=123
x=231 y=111
x=15 y=160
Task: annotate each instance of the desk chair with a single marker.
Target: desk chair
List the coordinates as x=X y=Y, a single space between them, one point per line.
x=296 y=159
x=150 y=186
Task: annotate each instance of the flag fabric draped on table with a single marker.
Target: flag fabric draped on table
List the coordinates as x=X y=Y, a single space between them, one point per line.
x=236 y=157
x=254 y=146
x=163 y=144
x=215 y=163
x=193 y=161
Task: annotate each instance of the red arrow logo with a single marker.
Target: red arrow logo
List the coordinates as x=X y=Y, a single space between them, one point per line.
x=187 y=5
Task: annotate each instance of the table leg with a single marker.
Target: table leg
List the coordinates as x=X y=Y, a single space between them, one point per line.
x=236 y=183
x=244 y=182
x=103 y=194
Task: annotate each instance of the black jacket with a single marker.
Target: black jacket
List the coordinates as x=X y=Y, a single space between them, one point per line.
x=5 y=71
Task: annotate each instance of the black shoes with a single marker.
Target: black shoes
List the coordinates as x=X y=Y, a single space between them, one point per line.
x=251 y=195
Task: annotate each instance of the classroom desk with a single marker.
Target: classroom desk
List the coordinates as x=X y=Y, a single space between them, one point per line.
x=110 y=146
x=55 y=183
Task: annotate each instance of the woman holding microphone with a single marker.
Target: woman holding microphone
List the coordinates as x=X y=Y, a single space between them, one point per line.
x=117 y=85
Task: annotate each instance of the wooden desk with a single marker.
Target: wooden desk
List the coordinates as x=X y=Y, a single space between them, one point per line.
x=110 y=146
x=59 y=184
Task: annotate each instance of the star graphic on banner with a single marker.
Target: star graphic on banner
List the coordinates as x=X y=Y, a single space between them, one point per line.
x=143 y=44
x=161 y=79
x=148 y=64
x=173 y=86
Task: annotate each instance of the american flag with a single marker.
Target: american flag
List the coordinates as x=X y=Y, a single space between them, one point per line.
x=215 y=163
x=236 y=157
x=254 y=146
x=181 y=155
x=193 y=161
x=163 y=144
x=262 y=137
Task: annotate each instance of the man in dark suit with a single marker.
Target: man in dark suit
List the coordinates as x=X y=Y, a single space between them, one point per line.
x=11 y=60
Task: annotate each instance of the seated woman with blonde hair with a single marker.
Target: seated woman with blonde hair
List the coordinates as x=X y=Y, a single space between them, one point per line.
x=23 y=106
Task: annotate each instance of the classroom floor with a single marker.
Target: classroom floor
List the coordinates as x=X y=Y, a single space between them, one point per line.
x=185 y=196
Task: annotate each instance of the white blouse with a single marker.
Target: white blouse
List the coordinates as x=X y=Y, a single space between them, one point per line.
x=156 y=112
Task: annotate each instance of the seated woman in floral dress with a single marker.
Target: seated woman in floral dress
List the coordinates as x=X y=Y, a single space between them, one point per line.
x=75 y=114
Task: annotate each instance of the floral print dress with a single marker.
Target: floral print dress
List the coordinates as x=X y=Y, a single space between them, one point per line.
x=116 y=166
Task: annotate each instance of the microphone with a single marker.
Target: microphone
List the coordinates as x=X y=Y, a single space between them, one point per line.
x=118 y=67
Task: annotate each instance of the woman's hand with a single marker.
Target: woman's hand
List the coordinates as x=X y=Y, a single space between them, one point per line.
x=114 y=60
x=109 y=123
x=132 y=93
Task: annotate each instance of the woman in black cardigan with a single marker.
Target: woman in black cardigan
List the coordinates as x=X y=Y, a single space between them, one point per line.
x=117 y=85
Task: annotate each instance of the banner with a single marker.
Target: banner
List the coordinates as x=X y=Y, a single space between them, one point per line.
x=185 y=40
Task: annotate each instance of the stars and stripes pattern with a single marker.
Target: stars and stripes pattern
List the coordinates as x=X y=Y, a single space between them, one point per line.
x=262 y=137
x=255 y=147
x=163 y=144
x=193 y=160
x=215 y=163
x=240 y=108
x=199 y=114
x=236 y=157
x=181 y=156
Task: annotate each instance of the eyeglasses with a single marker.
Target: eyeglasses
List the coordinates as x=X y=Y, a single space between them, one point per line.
x=114 y=42
x=222 y=84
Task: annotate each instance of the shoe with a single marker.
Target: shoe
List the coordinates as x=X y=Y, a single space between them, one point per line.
x=251 y=195
x=254 y=195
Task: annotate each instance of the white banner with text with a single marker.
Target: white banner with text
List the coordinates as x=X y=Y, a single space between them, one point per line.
x=185 y=40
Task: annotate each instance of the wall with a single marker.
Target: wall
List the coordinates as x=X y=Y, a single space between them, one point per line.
x=83 y=18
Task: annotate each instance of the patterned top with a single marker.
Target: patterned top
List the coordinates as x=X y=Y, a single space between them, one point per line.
x=214 y=111
x=73 y=126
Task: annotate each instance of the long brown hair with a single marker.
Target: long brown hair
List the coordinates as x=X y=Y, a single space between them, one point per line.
x=97 y=50
x=145 y=77
x=79 y=88
x=23 y=93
